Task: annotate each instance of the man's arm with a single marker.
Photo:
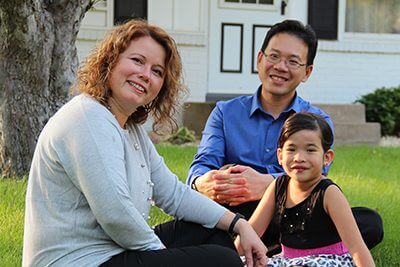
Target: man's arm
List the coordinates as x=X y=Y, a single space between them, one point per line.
x=243 y=185
x=211 y=150
x=233 y=186
x=239 y=184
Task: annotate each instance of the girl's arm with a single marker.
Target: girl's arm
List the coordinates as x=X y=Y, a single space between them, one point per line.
x=264 y=212
x=262 y=216
x=338 y=209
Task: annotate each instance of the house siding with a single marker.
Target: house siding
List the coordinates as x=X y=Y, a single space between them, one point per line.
x=341 y=78
x=353 y=65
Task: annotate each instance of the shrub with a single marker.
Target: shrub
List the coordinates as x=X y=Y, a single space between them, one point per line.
x=383 y=106
x=181 y=136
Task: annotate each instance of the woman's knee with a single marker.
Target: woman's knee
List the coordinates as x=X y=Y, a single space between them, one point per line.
x=222 y=256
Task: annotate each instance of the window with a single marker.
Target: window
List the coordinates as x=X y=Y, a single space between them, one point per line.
x=264 y=2
x=231 y=44
x=372 y=16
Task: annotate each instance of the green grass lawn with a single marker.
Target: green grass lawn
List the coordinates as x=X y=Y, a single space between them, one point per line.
x=369 y=176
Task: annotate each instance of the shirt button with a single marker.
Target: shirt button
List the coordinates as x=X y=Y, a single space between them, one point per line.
x=142 y=165
x=136 y=146
x=267 y=149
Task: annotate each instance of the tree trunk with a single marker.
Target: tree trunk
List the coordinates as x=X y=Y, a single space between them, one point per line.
x=38 y=61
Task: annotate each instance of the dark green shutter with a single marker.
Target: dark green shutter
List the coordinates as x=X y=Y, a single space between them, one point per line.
x=128 y=9
x=323 y=17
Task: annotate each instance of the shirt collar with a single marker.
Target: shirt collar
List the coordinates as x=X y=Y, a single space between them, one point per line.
x=295 y=105
x=255 y=102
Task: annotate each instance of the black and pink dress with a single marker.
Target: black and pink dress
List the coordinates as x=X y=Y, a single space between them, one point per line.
x=308 y=234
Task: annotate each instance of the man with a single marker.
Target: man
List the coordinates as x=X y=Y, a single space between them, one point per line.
x=236 y=159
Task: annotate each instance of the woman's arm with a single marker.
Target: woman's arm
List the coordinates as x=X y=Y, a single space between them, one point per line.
x=92 y=154
x=251 y=245
x=338 y=209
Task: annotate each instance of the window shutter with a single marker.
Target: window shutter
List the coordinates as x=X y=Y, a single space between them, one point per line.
x=323 y=17
x=128 y=9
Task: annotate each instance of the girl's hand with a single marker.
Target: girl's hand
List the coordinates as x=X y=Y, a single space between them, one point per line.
x=250 y=245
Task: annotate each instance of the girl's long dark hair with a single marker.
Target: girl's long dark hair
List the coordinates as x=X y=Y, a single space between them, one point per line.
x=307 y=121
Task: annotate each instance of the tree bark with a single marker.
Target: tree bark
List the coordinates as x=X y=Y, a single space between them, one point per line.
x=38 y=61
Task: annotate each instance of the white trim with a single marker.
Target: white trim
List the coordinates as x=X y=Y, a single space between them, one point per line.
x=250 y=6
x=341 y=18
x=110 y=13
x=189 y=38
x=360 y=46
x=100 y=5
x=91 y=34
x=196 y=34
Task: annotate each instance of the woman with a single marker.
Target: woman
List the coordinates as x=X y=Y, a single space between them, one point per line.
x=95 y=173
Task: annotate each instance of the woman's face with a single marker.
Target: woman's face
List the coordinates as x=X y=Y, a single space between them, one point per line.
x=138 y=75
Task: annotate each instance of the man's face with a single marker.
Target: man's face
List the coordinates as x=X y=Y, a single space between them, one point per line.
x=280 y=80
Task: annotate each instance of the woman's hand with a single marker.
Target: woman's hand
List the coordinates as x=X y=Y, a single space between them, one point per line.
x=248 y=244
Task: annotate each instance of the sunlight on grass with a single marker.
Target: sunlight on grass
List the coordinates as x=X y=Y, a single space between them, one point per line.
x=12 y=201
x=368 y=176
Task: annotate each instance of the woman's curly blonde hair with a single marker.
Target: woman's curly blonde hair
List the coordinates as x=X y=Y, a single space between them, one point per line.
x=93 y=75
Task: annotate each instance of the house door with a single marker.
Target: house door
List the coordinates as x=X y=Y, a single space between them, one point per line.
x=237 y=29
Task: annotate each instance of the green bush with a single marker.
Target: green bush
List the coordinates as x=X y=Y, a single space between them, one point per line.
x=383 y=106
x=181 y=136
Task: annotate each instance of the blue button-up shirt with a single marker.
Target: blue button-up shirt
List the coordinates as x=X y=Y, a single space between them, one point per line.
x=240 y=131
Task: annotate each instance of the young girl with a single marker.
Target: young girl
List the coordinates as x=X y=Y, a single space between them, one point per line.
x=317 y=227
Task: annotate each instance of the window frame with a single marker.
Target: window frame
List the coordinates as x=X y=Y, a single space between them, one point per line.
x=250 y=6
x=359 y=42
x=361 y=36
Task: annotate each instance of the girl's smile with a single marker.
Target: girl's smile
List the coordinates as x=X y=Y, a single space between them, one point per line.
x=303 y=157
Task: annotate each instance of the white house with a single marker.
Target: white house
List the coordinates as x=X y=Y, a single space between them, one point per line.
x=359 y=42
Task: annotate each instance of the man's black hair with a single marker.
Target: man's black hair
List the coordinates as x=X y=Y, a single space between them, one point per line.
x=299 y=30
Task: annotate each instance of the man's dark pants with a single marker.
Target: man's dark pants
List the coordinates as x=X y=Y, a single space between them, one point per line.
x=369 y=222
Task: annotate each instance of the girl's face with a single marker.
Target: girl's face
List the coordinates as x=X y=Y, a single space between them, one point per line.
x=138 y=75
x=302 y=156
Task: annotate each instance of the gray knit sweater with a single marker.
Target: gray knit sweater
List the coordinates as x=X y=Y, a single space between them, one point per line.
x=90 y=188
